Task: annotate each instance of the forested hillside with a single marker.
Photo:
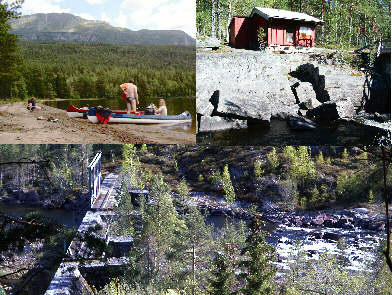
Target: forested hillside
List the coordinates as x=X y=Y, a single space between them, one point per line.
x=349 y=23
x=82 y=70
x=71 y=28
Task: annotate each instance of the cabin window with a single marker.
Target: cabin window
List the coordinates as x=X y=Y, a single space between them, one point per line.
x=305 y=33
x=290 y=33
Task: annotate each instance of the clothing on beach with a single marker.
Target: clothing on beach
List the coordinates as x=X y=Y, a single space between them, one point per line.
x=162 y=111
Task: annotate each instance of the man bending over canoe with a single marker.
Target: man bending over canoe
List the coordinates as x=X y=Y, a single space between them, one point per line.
x=131 y=96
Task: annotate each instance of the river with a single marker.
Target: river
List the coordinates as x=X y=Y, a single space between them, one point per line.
x=360 y=246
x=175 y=105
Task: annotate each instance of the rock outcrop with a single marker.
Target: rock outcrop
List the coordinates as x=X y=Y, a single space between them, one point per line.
x=261 y=86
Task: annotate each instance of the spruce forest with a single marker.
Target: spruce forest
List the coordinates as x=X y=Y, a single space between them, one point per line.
x=75 y=70
x=348 y=23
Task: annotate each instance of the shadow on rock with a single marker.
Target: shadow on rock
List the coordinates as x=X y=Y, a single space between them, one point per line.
x=310 y=73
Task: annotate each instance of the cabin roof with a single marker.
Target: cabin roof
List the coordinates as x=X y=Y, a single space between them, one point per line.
x=271 y=13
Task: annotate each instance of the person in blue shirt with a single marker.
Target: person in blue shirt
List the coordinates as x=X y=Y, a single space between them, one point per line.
x=32 y=104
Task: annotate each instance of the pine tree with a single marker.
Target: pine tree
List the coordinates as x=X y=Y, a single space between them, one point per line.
x=10 y=58
x=259 y=271
x=221 y=283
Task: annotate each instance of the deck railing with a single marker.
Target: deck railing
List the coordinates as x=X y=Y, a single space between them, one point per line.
x=94 y=176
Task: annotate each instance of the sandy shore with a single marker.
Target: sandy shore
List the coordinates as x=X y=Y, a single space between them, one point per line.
x=20 y=126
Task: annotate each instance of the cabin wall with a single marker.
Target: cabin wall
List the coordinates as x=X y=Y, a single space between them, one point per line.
x=257 y=22
x=239 y=32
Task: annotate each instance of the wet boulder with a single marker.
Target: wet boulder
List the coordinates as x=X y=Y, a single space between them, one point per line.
x=332 y=111
x=331 y=236
x=298 y=123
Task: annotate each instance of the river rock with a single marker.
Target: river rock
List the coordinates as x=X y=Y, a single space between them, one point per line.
x=331 y=111
x=331 y=236
x=208 y=123
x=298 y=123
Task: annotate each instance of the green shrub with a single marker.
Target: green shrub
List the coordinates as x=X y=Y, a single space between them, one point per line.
x=301 y=165
x=371 y=197
x=227 y=185
x=345 y=154
x=350 y=186
x=257 y=168
x=272 y=160
x=200 y=178
x=320 y=159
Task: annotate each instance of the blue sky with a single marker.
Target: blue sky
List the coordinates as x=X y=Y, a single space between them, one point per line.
x=131 y=14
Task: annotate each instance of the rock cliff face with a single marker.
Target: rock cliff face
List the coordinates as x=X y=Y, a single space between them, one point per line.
x=261 y=86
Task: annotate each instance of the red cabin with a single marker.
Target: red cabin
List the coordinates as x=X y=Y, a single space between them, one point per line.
x=283 y=27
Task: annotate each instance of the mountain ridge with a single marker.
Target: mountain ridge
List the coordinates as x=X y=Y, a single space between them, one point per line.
x=67 y=27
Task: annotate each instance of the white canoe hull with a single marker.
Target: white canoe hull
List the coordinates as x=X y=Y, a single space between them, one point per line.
x=75 y=114
x=93 y=119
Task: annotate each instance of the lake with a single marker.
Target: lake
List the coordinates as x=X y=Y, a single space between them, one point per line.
x=175 y=105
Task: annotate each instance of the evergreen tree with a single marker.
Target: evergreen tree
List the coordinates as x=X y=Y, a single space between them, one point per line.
x=259 y=271
x=221 y=283
x=10 y=59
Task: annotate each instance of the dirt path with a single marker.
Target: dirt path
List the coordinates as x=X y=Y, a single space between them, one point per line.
x=18 y=125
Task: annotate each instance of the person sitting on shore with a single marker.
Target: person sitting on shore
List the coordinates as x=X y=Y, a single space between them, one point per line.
x=32 y=104
x=162 y=110
x=131 y=95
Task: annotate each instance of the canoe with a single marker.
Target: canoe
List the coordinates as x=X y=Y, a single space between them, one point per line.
x=75 y=112
x=184 y=117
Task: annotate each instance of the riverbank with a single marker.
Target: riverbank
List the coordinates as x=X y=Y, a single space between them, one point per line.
x=19 y=126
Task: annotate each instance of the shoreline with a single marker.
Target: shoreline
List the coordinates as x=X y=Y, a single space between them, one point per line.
x=20 y=126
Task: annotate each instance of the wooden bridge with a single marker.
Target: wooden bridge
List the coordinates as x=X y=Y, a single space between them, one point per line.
x=101 y=194
x=104 y=196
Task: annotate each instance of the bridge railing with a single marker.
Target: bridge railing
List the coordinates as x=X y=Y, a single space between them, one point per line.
x=94 y=176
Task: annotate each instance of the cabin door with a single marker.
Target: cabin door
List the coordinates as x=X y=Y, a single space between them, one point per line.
x=290 y=35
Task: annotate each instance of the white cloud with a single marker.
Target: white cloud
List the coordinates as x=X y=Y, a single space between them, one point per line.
x=105 y=17
x=161 y=15
x=93 y=2
x=85 y=16
x=121 y=20
x=42 y=6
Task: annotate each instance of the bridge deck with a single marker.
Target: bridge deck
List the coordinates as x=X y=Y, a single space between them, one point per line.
x=106 y=200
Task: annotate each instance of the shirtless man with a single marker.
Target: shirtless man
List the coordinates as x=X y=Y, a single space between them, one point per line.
x=132 y=98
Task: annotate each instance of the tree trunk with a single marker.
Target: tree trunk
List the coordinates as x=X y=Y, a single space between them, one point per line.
x=228 y=23
x=218 y=14
x=213 y=32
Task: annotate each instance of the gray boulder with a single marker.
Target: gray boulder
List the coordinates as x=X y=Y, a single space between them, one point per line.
x=307 y=96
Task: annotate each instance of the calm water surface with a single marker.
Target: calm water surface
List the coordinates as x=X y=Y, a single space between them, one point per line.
x=279 y=134
x=175 y=106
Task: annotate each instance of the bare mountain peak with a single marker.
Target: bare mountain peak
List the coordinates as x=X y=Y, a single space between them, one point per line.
x=72 y=28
